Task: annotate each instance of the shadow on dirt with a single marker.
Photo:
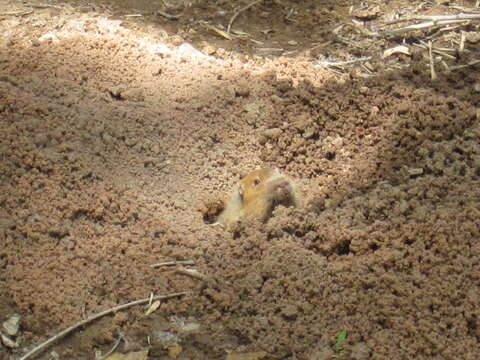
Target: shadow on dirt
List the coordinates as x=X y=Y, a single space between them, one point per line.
x=110 y=142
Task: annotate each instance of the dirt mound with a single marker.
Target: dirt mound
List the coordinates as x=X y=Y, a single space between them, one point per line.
x=115 y=147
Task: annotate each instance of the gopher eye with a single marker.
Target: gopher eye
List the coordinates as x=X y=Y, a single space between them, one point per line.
x=256 y=182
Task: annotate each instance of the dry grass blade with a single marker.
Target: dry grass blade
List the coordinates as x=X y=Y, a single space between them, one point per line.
x=218 y=31
x=173 y=263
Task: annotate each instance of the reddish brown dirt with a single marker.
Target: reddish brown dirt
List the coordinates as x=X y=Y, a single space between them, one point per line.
x=115 y=149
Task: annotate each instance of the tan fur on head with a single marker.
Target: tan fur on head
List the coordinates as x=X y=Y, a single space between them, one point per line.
x=257 y=194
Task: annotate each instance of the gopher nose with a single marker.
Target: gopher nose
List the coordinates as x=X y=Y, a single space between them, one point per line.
x=282 y=186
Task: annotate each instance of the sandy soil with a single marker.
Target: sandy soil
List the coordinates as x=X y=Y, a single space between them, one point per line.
x=119 y=142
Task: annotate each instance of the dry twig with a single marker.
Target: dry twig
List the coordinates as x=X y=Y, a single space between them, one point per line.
x=435 y=50
x=433 y=74
x=167 y=15
x=445 y=17
x=114 y=347
x=218 y=31
x=173 y=263
x=67 y=331
x=16 y=13
x=461 y=47
x=239 y=12
x=421 y=26
x=471 y=63
x=43 y=6
x=343 y=63
x=192 y=273
x=435 y=18
x=465 y=9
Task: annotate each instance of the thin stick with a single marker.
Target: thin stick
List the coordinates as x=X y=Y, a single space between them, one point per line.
x=446 y=17
x=436 y=18
x=218 y=31
x=173 y=263
x=432 y=67
x=43 y=6
x=67 y=331
x=261 y=49
x=461 y=47
x=16 y=13
x=435 y=50
x=167 y=15
x=464 y=9
x=424 y=25
x=114 y=347
x=239 y=12
x=445 y=65
x=192 y=273
x=342 y=63
x=471 y=63
x=207 y=280
x=451 y=57
x=289 y=13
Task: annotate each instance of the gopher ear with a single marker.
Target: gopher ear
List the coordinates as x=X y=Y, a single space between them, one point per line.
x=241 y=173
x=238 y=172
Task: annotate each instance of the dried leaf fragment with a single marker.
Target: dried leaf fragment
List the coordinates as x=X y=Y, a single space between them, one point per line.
x=152 y=308
x=401 y=49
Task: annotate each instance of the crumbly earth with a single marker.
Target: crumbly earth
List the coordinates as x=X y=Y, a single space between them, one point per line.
x=119 y=142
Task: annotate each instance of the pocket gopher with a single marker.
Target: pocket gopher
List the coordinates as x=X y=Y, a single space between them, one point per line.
x=257 y=194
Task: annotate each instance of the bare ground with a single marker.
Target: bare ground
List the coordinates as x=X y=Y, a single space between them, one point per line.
x=118 y=143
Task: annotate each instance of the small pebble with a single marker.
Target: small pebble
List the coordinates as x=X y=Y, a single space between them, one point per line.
x=273 y=133
x=41 y=139
x=415 y=171
x=360 y=351
x=251 y=108
x=12 y=324
x=9 y=342
x=289 y=311
x=242 y=90
x=6 y=223
x=209 y=49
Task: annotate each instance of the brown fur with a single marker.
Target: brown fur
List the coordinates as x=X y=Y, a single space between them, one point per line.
x=257 y=194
